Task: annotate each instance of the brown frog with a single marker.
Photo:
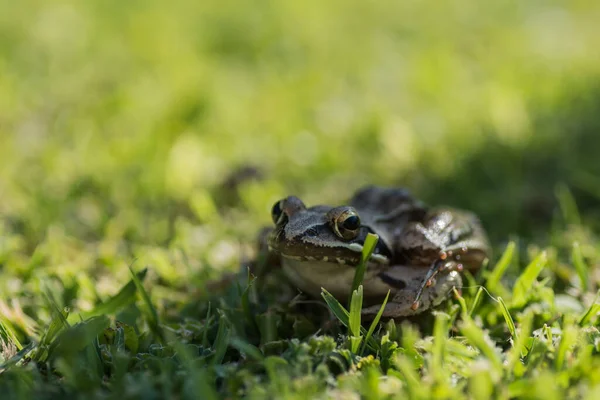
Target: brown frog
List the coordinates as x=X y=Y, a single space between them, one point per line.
x=419 y=256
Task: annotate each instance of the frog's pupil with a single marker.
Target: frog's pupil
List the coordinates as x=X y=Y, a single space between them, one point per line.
x=352 y=223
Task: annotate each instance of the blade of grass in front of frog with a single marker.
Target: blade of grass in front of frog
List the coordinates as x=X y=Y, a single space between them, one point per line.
x=342 y=314
x=338 y=310
x=580 y=267
x=368 y=248
x=151 y=314
x=355 y=309
x=354 y=318
x=375 y=323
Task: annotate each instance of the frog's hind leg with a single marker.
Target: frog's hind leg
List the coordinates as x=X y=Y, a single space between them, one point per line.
x=440 y=265
x=404 y=281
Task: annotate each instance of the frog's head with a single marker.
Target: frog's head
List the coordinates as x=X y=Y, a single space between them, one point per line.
x=321 y=234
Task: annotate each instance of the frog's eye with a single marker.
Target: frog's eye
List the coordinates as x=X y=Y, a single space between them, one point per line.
x=276 y=211
x=351 y=223
x=285 y=208
x=347 y=224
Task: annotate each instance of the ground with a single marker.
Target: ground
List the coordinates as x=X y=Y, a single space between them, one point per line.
x=120 y=123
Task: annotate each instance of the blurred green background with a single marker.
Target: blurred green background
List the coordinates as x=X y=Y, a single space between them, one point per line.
x=120 y=121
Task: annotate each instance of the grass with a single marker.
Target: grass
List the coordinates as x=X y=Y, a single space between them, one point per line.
x=121 y=121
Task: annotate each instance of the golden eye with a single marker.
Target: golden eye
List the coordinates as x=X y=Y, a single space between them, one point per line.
x=346 y=224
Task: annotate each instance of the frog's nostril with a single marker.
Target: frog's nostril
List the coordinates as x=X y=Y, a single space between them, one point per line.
x=312 y=232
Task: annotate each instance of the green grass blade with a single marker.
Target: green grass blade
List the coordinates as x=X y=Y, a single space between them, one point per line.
x=355 y=342
x=440 y=336
x=478 y=339
x=461 y=300
x=508 y=318
x=567 y=204
x=476 y=300
x=493 y=281
x=245 y=300
x=8 y=331
x=519 y=349
x=580 y=267
x=248 y=349
x=206 y=322
x=198 y=382
x=527 y=279
x=222 y=340
x=151 y=314
x=368 y=248
x=375 y=322
x=58 y=323
x=567 y=340
x=338 y=310
x=414 y=383
x=14 y=360
x=342 y=314
x=355 y=310
x=591 y=312
x=77 y=337
x=124 y=298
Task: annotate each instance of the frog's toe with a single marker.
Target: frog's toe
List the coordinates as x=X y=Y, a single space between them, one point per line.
x=452 y=266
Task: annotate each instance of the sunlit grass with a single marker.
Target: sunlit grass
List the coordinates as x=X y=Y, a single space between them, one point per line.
x=120 y=124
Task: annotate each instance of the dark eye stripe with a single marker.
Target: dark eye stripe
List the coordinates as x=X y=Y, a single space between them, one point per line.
x=315 y=230
x=312 y=231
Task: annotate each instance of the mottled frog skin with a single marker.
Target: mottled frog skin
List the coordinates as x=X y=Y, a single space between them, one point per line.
x=419 y=256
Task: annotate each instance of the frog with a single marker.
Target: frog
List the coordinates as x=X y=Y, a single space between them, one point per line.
x=419 y=257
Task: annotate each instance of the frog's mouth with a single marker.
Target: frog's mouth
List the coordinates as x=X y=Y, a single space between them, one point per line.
x=341 y=253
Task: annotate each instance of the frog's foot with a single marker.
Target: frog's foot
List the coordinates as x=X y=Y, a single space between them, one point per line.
x=442 y=265
x=406 y=283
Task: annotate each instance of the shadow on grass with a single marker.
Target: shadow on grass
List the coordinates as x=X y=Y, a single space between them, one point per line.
x=513 y=189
